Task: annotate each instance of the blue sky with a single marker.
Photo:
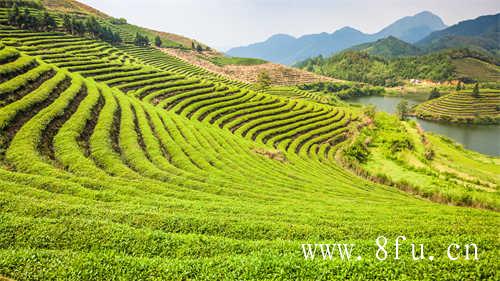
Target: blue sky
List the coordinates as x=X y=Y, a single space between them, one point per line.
x=229 y=23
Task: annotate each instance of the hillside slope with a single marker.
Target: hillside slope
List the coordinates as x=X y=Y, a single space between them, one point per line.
x=89 y=165
x=123 y=162
x=247 y=72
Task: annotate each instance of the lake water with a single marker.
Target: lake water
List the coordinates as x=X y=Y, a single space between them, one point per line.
x=481 y=138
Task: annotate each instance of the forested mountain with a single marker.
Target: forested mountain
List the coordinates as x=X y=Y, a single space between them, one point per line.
x=482 y=33
x=388 y=47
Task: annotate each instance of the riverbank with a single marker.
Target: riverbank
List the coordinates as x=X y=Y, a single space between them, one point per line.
x=476 y=137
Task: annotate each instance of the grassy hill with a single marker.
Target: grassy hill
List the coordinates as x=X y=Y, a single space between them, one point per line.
x=123 y=162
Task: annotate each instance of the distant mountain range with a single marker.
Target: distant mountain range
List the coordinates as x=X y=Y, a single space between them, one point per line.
x=468 y=51
x=481 y=34
x=287 y=49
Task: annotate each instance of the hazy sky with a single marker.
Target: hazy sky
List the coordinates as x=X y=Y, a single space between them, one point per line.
x=229 y=23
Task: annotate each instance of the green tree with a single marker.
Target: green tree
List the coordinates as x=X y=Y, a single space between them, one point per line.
x=434 y=94
x=107 y=34
x=119 y=21
x=14 y=15
x=402 y=109
x=459 y=86
x=199 y=48
x=93 y=27
x=67 y=24
x=48 y=23
x=78 y=27
x=193 y=45
x=28 y=21
x=141 y=40
x=475 y=91
x=158 y=41
x=263 y=80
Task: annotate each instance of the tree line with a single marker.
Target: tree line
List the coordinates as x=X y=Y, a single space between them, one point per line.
x=91 y=27
x=88 y=26
x=25 y=20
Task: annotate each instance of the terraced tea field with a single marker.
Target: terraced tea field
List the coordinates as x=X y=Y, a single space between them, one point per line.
x=126 y=163
x=463 y=108
x=280 y=75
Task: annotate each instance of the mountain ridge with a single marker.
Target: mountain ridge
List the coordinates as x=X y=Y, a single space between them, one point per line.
x=388 y=47
x=410 y=28
x=481 y=33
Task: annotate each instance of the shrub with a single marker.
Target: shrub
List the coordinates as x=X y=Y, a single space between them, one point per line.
x=358 y=152
x=158 y=41
x=402 y=109
x=434 y=94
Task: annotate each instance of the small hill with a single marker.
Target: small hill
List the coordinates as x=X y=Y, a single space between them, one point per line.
x=481 y=34
x=462 y=107
x=388 y=47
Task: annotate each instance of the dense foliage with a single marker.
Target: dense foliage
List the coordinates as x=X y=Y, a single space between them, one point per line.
x=362 y=67
x=343 y=90
x=141 y=40
x=90 y=26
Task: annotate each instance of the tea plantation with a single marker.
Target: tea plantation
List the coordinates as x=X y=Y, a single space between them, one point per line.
x=124 y=163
